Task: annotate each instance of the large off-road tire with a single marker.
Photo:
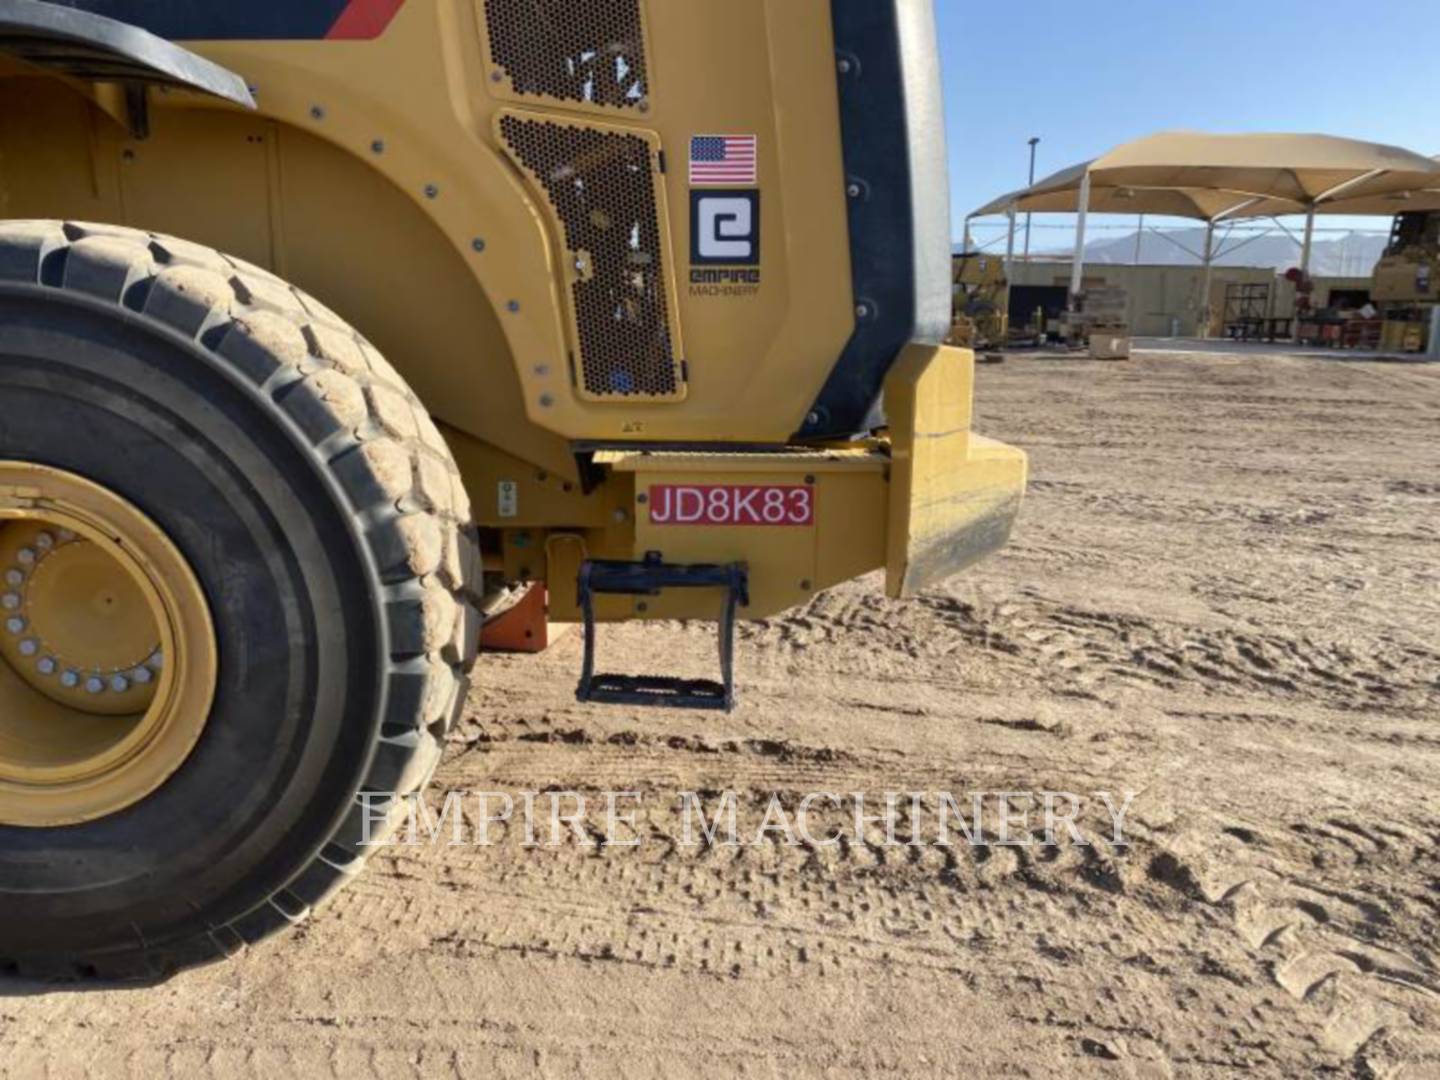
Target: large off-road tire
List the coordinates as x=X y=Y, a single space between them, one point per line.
x=323 y=518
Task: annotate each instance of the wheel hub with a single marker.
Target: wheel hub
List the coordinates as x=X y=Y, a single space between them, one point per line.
x=107 y=652
x=78 y=628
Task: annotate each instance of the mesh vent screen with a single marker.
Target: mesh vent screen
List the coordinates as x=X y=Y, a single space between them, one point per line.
x=590 y=51
x=602 y=187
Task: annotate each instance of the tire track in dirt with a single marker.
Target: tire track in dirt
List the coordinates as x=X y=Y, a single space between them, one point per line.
x=1324 y=939
x=1085 y=648
x=964 y=914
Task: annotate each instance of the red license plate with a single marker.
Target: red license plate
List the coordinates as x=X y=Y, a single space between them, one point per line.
x=732 y=504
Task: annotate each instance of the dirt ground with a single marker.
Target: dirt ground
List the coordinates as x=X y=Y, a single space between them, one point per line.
x=1224 y=596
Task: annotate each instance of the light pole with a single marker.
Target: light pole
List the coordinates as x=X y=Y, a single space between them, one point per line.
x=1034 y=142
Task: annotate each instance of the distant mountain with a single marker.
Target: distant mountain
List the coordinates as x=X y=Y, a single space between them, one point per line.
x=1347 y=255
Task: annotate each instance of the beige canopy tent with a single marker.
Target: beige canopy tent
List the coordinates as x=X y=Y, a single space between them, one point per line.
x=1400 y=202
x=1210 y=206
x=1215 y=178
x=1365 y=201
x=1200 y=203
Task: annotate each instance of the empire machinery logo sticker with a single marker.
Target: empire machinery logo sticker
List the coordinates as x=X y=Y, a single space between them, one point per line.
x=724 y=215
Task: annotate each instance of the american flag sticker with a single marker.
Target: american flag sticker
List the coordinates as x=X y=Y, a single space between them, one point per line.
x=725 y=160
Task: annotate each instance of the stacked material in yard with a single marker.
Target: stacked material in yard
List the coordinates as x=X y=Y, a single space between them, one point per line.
x=1102 y=319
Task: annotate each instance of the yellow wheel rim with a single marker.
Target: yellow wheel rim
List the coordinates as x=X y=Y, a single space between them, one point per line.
x=108 y=661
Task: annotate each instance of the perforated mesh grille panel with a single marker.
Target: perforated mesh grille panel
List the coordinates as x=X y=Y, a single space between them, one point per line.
x=602 y=186
x=590 y=51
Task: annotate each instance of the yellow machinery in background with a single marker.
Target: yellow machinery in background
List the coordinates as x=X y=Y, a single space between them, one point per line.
x=323 y=335
x=1406 y=285
x=982 y=301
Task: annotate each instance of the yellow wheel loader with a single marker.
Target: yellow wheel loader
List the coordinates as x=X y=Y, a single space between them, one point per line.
x=1406 y=282
x=324 y=323
x=982 y=302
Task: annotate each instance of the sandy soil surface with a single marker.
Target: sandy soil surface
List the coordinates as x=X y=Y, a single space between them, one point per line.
x=1224 y=596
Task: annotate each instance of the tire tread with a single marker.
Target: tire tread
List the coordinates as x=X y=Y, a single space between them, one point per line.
x=374 y=436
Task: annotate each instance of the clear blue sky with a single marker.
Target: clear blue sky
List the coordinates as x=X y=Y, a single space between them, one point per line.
x=1086 y=77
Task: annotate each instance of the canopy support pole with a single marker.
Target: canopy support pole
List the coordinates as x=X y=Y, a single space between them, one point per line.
x=1309 y=243
x=1207 y=278
x=1139 y=238
x=1077 y=267
x=1282 y=227
x=1010 y=245
x=1186 y=248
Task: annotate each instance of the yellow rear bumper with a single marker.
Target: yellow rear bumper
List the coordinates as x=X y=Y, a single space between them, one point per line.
x=923 y=504
x=954 y=496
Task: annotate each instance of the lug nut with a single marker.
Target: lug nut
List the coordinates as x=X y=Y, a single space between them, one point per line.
x=70 y=680
x=44 y=541
x=141 y=675
x=94 y=685
x=119 y=684
x=29 y=647
x=25 y=557
x=14 y=578
x=47 y=666
x=10 y=601
x=15 y=625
